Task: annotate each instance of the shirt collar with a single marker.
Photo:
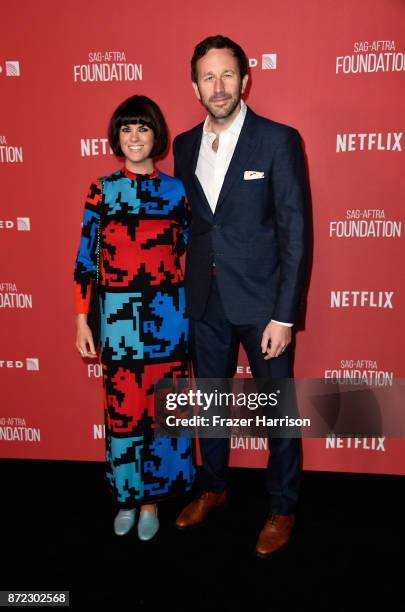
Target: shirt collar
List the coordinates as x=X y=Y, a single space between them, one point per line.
x=234 y=128
x=134 y=176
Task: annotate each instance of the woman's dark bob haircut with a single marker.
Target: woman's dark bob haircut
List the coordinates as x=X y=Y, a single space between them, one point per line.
x=219 y=42
x=138 y=110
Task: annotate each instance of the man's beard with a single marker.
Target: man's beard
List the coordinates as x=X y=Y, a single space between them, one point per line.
x=221 y=113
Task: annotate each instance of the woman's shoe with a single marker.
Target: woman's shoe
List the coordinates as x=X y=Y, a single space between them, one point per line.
x=148 y=525
x=124 y=521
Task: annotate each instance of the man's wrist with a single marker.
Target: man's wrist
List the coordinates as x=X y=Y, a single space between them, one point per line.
x=281 y=323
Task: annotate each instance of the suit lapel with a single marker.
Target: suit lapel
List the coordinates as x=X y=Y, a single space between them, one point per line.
x=244 y=147
x=198 y=186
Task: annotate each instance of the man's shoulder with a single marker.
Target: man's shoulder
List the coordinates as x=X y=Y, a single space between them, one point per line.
x=274 y=129
x=189 y=136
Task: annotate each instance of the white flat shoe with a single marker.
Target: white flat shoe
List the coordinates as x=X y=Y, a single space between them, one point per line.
x=124 y=521
x=148 y=525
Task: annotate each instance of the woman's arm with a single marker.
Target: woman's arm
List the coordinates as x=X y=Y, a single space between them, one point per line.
x=184 y=218
x=85 y=269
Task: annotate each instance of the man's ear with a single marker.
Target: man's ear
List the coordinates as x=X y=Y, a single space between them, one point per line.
x=196 y=90
x=244 y=82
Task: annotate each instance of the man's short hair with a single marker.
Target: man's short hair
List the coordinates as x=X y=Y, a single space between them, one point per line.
x=138 y=110
x=219 y=42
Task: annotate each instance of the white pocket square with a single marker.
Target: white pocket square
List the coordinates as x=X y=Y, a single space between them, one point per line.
x=251 y=175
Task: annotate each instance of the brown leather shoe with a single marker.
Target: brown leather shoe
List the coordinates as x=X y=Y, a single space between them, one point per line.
x=275 y=534
x=196 y=512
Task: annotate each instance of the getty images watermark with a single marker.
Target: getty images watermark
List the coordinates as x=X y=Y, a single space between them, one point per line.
x=285 y=408
x=215 y=401
x=219 y=408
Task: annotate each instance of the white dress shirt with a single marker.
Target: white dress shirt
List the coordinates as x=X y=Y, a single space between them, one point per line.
x=212 y=166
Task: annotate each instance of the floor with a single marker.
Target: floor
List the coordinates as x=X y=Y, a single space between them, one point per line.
x=346 y=553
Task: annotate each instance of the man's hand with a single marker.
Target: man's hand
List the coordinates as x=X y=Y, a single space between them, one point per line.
x=275 y=339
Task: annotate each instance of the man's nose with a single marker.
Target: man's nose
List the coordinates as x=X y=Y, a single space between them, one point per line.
x=219 y=85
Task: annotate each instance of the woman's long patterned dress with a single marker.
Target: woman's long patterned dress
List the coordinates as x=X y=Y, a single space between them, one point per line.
x=144 y=222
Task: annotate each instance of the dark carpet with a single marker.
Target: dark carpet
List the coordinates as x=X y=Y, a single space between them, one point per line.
x=346 y=552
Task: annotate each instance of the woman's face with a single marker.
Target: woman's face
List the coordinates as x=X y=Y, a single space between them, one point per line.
x=136 y=141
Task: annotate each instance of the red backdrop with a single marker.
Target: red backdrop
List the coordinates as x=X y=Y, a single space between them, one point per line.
x=334 y=70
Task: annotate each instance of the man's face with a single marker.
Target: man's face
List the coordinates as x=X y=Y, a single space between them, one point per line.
x=219 y=86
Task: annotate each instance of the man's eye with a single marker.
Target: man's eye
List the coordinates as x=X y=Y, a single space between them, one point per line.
x=208 y=78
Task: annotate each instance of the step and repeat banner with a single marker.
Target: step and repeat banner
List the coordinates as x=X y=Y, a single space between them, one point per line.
x=332 y=69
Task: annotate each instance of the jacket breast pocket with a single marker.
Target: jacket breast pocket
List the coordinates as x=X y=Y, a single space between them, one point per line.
x=257 y=188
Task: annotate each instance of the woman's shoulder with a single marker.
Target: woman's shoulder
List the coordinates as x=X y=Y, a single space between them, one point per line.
x=111 y=178
x=107 y=178
x=171 y=181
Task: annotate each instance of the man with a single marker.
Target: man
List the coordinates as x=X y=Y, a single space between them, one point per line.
x=245 y=269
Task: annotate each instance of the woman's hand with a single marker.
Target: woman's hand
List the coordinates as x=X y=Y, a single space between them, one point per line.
x=84 y=337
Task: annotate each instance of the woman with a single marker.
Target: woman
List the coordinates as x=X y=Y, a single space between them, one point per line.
x=142 y=217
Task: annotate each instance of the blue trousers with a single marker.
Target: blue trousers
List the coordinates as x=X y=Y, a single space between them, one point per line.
x=214 y=346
